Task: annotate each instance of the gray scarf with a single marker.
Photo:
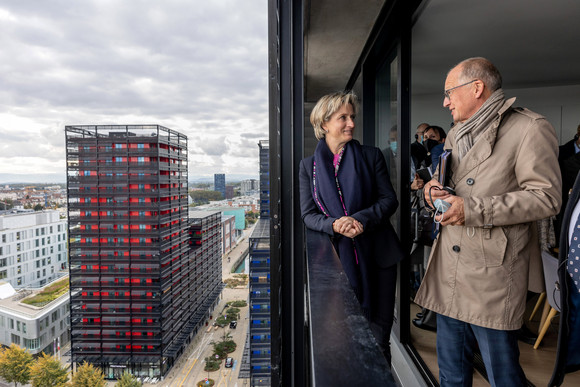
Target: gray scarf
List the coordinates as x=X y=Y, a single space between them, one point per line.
x=470 y=130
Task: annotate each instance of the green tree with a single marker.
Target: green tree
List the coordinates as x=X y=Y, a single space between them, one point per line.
x=15 y=363
x=47 y=371
x=38 y=207
x=128 y=380
x=7 y=204
x=203 y=197
x=88 y=376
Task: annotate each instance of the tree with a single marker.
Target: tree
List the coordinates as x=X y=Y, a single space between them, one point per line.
x=128 y=380
x=203 y=197
x=15 y=363
x=88 y=376
x=48 y=372
x=38 y=207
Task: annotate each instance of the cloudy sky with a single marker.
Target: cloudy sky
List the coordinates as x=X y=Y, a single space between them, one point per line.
x=196 y=66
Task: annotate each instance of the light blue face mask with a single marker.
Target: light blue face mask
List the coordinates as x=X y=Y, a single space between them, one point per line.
x=393 y=145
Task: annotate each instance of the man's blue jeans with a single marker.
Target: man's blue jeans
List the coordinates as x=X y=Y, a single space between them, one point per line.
x=499 y=349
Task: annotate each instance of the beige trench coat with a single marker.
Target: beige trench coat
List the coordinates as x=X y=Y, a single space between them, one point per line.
x=478 y=273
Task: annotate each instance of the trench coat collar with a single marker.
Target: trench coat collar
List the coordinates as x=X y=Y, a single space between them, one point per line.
x=482 y=149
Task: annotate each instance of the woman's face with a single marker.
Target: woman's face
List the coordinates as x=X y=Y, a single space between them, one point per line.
x=340 y=127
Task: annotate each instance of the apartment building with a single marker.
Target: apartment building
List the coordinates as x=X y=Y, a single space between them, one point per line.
x=33 y=248
x=138 y=288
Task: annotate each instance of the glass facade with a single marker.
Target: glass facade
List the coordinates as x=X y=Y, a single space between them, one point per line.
x=219 y=182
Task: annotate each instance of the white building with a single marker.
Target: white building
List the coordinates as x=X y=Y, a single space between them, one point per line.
x=249 y=187
x=36 y=328
x=32 y=248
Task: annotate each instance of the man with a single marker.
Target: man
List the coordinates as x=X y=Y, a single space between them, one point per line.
x=418 y=151
x=568 y=355
x=420 y=132
x=569 y=160
x=477 y=278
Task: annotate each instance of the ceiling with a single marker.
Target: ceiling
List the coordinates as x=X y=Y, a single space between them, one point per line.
x=534 y=44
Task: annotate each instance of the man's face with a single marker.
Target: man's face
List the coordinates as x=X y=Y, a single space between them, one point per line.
x=432 y=134
x=420 y=132
x=461 y=102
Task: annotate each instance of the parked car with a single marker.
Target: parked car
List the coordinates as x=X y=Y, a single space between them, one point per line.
x=233 y=324
x=229 y=362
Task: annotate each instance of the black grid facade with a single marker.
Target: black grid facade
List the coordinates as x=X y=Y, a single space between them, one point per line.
x=132 y=270
x=260 y=330
x=264 y=178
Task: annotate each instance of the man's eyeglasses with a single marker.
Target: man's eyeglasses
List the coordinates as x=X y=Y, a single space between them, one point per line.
x=446 y=93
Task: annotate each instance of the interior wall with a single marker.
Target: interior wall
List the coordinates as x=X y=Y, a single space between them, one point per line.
x=560 y=105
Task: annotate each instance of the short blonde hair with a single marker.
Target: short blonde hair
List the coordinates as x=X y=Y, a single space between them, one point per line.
x=327 y=106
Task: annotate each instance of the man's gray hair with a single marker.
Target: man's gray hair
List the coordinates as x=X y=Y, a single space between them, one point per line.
x=482 y=69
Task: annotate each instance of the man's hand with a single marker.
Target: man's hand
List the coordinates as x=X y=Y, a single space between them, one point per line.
x=455 y=215
x=347 y=226
x=436 y=193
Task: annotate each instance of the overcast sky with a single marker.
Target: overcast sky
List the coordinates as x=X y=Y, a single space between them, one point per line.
x=198 y=67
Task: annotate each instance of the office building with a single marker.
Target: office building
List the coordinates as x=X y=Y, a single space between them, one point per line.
x=32 y=248
x=259 y=282
x=264 y=146
x=219 y=183
x=249 y=187
x=136 y=285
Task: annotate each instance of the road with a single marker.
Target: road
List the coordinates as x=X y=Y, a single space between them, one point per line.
x=189 y=368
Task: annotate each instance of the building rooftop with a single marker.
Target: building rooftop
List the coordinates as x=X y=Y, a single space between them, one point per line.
x=199 y=214
x=12 y=303
x=262 y=229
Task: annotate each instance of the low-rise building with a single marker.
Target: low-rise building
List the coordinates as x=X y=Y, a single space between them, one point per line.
x=40 y=327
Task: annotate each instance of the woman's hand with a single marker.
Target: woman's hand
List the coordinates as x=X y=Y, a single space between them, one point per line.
x=347 y=226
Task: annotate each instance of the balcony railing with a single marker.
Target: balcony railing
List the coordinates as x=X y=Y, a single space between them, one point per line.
x=343 y=350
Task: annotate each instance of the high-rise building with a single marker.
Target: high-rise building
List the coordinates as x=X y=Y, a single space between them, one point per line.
x=264 y=178
x=249 y=186
x=137 y=293
x=219 y=183
x=259 y=282
x=32 y=248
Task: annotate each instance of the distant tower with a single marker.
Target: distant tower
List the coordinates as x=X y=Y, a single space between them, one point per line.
x=219 y=182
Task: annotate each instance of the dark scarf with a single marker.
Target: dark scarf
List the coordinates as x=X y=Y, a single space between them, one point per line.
x=352 y=181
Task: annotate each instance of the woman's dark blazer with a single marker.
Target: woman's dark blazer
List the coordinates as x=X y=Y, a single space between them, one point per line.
x=378 y=236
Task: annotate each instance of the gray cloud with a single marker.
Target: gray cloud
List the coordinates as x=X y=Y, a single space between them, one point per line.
x=196 y=67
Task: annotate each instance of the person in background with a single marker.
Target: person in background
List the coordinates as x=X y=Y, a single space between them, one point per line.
x=433 y=141
x=569 y=161
x=345 y=192
x=568 y=353
x=478 y=274
x=418 y=152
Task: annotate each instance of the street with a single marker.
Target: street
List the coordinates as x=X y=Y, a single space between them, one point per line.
x=189 y=368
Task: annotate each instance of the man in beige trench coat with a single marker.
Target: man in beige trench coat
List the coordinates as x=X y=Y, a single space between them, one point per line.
x=504 y=170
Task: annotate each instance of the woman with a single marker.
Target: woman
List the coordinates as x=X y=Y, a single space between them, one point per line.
x=345 y=192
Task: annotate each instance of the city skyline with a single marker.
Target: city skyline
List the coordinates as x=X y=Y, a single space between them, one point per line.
x=201 y=70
